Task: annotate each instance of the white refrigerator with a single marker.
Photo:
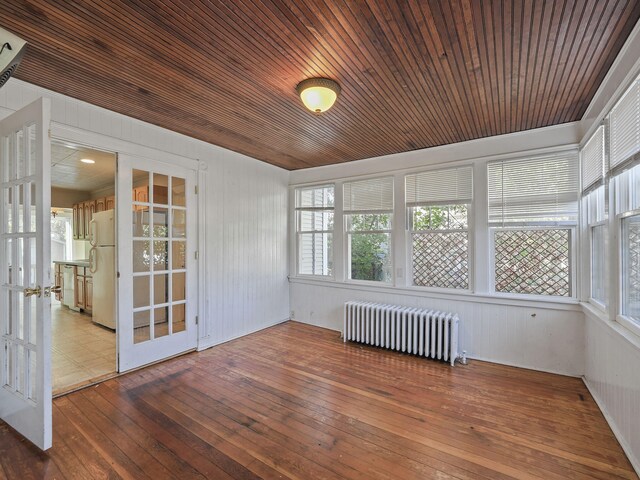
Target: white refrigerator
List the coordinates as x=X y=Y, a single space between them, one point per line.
x=102 y=264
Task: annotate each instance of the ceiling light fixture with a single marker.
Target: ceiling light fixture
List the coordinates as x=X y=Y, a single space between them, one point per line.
x=318 y=94
x=87 y=160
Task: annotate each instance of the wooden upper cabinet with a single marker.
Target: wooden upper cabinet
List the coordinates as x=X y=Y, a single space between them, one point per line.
x=101 y=204
x=110 y=202
x=76 y=221
x=89 y=210
x=141 y=194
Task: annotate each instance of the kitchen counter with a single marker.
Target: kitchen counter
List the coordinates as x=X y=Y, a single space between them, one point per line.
x=76 y=263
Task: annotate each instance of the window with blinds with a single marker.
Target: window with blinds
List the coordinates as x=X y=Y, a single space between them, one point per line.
x=368 y=211
x=447 y=186
x=371 y=195
x=314 y=229
x=592 y=156
x=438 y=206
x=534 y=190
x=524 y=195
x=624 y=124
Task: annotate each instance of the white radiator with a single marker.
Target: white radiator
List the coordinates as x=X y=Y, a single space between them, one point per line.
x=423 y=332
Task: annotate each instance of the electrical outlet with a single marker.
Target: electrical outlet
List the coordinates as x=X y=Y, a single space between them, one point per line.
x=292 y=314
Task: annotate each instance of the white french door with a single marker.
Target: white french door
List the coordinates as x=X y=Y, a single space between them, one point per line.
x=157 y=239
x=25 y=272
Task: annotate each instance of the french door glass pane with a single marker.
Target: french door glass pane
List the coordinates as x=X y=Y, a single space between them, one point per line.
x=18 y=332
x=160 y=292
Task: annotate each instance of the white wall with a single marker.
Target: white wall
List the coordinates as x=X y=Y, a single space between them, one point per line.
x=612 y=373
x=532 y=333
x=243 y=204
x=500 y=332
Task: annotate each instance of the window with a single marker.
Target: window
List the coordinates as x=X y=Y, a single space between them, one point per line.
x=624 y=121
x=61 y=234
x=627 y=196
x=438 y=211
x=594 y=201
x=314 y=227
x=368 y=210
x=533 y=210
x=631 y=267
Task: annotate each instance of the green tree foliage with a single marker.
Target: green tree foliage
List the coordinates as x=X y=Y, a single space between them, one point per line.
x=370 y=252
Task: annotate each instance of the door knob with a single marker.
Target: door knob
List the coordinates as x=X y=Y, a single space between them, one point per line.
x=28 y=292
x=49 y=290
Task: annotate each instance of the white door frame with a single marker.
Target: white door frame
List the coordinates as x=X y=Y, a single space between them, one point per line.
x=108 y=143
x=25 y=403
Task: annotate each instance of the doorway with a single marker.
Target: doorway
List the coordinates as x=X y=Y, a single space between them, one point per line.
x=83 y=309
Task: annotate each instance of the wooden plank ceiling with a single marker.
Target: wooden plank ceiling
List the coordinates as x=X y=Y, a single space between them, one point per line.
x=414 y=74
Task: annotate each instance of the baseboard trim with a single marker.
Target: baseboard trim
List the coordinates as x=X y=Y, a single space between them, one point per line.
x=207 y=342
x=526 y=367
x=635 y=462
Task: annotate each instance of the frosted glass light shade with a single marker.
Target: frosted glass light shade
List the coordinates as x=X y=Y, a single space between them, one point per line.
x=318 y=94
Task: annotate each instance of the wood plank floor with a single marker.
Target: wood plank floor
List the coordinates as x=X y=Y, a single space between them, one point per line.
x=293 y=401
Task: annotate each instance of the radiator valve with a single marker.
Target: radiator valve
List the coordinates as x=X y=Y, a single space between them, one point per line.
x=463 y=358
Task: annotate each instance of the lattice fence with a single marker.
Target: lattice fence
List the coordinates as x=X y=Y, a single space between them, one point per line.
x=633 y=270
x=533 y=261
x=441 y=260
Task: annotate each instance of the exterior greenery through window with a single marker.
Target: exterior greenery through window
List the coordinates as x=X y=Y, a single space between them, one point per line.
x=368 y=213
x=370 y=246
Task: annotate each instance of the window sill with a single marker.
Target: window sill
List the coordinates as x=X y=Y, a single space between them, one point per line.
x=569 y=304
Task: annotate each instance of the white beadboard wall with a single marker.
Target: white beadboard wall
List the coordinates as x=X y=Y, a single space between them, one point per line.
x=244 y=211
x=552 y=341
x=612 y=365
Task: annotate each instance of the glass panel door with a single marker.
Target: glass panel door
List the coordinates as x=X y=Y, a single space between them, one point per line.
x=25 y=273
x=157 y=235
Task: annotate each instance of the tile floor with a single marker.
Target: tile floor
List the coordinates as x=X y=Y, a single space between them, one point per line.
x=82 y=352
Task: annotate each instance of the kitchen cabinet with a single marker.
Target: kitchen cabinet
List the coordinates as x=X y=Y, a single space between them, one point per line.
x=101 y=204
x=141 y=194
x=88 y=293
x=83 y=213
x=89 y=210
x=83 y=289
x=79 y=290
x=78 y=221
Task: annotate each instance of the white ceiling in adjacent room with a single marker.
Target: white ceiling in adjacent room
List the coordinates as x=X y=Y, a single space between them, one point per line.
x=68 y=171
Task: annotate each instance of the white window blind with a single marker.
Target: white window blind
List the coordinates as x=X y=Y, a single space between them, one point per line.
x=443 y=187
x=592 y=155
x=624 y=122
x=538 y=189
x=368 y=196
x=315 y=197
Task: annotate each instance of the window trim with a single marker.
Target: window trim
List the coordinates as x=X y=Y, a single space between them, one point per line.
x=589 y=229
x=573 y=229
x=296 y=232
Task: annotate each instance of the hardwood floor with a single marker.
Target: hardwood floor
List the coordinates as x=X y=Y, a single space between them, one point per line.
x=293 y=401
